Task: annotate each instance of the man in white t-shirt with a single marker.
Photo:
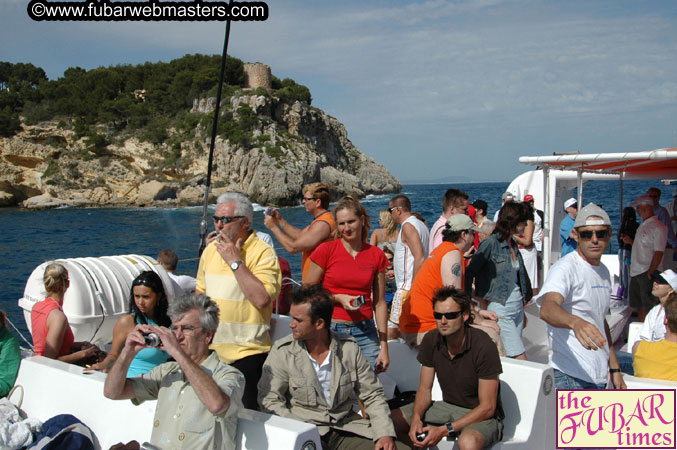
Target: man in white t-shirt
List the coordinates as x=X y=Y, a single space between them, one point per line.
x=507 y=197
x=411 y=249
x=647 y=255
x=653 y=328
x=574 y=301
x=169 y=260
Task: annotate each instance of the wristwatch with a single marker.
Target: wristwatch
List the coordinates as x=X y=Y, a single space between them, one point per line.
x=235 y=264
x=452 y=435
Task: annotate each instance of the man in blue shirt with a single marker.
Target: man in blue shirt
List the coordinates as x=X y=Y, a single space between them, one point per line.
x=566 y=228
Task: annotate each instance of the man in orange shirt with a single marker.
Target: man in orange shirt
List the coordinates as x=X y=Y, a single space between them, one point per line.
x=444 y=267
x=316 y=199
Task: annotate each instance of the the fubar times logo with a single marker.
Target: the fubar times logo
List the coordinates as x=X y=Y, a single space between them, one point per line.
x=629 y=418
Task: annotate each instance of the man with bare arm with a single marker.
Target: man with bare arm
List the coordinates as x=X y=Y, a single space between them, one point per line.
x=411 y=249
x=574 y=302
x=647 y=255
x=316 y=199
x=195 y=392
x=242 y=275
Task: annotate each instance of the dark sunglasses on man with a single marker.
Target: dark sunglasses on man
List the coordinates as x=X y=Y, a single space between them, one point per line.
x=448 y=316
x=586 y=235
x=226 y=219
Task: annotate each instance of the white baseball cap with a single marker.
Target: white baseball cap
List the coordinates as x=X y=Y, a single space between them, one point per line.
x=571 y=202
x=667 y=277
x=590 y=215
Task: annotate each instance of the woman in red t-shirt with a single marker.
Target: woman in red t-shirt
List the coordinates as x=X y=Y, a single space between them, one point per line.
x=351 y=269
x=52 y=335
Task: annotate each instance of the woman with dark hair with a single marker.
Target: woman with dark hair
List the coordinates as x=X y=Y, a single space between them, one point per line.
x=628 y=227
x=527 y=247
x=147 y=305
x=353 y=271
x=500 y=277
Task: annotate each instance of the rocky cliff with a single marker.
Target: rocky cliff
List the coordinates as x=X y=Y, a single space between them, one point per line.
x=267 y=149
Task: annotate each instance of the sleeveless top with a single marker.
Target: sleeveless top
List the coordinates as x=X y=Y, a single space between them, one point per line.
x=417 y=311
x=327 y=217
x=147 y=358
x=39 y=316
x=403 y=262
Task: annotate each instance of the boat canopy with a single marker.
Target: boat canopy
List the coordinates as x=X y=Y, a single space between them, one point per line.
x=650 y=164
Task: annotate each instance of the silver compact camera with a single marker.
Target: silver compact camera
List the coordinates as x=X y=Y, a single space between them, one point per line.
x=357 y=301
x=152 y=339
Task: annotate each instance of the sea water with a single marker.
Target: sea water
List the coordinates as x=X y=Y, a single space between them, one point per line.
x=29 y=238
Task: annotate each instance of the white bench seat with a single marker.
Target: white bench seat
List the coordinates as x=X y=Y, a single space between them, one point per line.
x=52 y=387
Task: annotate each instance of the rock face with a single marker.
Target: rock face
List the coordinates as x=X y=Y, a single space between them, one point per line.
x=269 y=150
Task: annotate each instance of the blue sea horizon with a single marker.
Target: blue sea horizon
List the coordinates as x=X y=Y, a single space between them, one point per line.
x=30 y=238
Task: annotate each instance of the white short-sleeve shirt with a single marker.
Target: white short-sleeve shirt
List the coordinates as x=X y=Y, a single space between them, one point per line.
x=651 y=237
x=653 y=328
x=586 y=290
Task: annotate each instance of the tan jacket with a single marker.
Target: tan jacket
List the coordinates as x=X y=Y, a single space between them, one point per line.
x=289 y=388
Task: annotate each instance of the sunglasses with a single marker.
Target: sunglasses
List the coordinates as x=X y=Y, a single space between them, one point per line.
x=225 y=219
x=390 y=210
x=307 y=199
x=587 y=234
x=448 y=316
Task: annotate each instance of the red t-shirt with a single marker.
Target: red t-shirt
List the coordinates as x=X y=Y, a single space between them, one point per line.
x=39 y=315
x=344 y=274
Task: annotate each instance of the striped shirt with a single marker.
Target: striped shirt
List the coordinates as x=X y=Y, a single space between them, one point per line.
x=243 y=328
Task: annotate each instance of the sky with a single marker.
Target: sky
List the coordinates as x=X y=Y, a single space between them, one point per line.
x=430 y=89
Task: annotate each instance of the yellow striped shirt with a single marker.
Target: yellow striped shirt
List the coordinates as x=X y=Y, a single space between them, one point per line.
x=243 y=328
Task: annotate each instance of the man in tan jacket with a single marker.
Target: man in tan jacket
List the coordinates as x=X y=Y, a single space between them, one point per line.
x=313 y=374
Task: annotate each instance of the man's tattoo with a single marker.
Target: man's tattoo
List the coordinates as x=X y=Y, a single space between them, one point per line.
x=456 y=270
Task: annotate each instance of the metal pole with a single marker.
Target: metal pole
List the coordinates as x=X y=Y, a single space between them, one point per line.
x=203 y=222
x=547 y=206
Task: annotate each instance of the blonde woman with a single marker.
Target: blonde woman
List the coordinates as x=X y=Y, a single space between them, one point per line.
x=354 y=273
x=382 y=236
x=52 y=336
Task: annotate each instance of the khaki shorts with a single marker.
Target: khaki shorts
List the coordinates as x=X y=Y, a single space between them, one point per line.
x=440 y=413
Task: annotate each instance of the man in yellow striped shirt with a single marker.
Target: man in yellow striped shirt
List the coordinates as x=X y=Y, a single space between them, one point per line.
x=242 y=275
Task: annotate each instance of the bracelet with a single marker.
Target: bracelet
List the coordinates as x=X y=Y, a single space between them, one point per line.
x=614 y=370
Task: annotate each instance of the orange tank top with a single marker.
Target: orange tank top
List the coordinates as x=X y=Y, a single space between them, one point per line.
x=39 y=315
x=417 y=311
x=327 y=217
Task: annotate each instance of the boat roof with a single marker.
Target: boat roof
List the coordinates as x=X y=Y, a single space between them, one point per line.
x=650 y=164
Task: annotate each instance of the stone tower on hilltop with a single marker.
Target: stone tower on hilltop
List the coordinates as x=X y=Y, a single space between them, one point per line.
x=257 y=75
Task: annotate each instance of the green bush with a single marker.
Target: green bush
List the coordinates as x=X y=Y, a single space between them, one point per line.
x=97 y=144
x=291 y=92
x=156 y=131
x=9 y=122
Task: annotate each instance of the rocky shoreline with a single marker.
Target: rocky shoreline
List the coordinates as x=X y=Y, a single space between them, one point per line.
x=289 y=145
